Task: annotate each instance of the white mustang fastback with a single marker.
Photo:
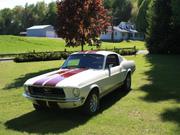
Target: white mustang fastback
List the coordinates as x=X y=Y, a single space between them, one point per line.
x=83 y=79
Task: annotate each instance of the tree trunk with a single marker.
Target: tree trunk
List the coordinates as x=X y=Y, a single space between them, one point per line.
x=82 y=47
x=112 y=35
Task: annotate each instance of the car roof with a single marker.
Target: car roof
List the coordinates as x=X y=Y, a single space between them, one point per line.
x=105 y=53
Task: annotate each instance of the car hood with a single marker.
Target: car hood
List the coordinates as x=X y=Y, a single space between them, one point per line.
x=75 y=78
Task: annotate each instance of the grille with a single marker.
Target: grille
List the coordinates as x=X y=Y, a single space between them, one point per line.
x=46 y=92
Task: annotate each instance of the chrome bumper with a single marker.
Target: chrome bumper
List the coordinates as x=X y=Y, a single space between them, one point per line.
x=62 y=102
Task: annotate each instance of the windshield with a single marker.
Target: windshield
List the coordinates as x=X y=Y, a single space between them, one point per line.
x=94 y=61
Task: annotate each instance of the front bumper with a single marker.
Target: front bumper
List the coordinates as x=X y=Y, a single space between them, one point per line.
x=61 y=102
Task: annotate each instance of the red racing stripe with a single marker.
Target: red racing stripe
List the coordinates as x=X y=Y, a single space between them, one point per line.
x=41 y=81
x=59 y=78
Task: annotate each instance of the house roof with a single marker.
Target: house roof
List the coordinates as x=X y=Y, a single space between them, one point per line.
x=38 y=27
x=133 y=31
x=116 y=29
x=119 y=29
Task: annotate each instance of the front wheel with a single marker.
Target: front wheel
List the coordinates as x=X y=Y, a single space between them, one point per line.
x=91 y=105
x=127 y=83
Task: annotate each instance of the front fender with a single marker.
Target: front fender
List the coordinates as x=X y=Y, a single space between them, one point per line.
x=95 y=86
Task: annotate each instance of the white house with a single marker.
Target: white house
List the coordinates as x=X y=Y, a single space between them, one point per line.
x=41 y=31
x=124 y=31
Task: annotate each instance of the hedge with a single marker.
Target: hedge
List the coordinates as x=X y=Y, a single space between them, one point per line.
x=46 y=56
x=43 y=56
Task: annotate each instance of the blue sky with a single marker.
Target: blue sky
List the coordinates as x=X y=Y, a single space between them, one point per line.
x=13 y=3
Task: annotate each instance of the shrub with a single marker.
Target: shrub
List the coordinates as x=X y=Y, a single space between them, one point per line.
x=41 y=56
x=45 y=56
x=128 y=51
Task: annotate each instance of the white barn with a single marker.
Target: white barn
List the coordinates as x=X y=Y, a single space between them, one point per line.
x=124 y=31
x=41 y=31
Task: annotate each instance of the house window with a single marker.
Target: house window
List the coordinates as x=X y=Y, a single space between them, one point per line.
x=115 y=33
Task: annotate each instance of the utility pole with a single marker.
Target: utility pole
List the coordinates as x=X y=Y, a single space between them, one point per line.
x=112 y=29
x=112 y=25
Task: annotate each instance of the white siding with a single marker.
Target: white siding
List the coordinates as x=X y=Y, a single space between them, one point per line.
x=118 y=36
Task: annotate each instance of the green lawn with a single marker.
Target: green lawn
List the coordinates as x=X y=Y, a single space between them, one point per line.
x=151 y=108
x=15 y=44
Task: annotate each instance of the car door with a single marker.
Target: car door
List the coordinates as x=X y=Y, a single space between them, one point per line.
x=113 y=70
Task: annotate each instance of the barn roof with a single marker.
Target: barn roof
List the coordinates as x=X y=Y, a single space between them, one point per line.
x=38 y=27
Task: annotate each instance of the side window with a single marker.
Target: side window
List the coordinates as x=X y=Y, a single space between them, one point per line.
x=113 y=60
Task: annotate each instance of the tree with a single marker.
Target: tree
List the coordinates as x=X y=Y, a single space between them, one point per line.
x=141 y=20
x=51 y=14
x=175 y=24
x=40 y=11
x=108 y=4
x=159 y=29
x=16 y=25
x=121 y=10
x=28 y=16
x=6 y=20
x=81 y=21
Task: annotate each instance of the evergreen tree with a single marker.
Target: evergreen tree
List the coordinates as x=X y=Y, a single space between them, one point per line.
x=158 y=32
x=121 y=10
x=174 y=37
x=141 y=19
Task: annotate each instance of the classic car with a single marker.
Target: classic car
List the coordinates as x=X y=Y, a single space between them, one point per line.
x=83 y=79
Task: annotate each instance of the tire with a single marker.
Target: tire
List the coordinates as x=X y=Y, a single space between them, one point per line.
x=127 y=83
x=39 y=107
x=91 y=105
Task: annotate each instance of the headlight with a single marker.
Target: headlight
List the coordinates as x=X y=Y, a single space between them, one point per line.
x=26 y=89
x=76 y=92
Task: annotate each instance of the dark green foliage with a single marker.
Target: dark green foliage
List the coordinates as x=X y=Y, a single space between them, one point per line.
x=141 y=20
x=108 y=4
x=163 y=30
x=139 y=2
x=5 y=20
x=129 y=51
x=51 y=14
x=121 y=10
x=16 y=20
x=41 y=56
x=174 y=38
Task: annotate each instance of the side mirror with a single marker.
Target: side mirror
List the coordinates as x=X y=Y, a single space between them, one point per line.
x=110 y=66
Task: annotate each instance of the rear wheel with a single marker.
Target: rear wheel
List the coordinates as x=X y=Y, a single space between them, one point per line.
x=127 y=83
x=91 y=105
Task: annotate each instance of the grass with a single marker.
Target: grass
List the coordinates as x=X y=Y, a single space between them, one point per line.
x=151 y=108
x=15 y=44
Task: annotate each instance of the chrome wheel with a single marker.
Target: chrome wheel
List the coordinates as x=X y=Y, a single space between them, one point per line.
x=128 y=82
x=93 y=103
